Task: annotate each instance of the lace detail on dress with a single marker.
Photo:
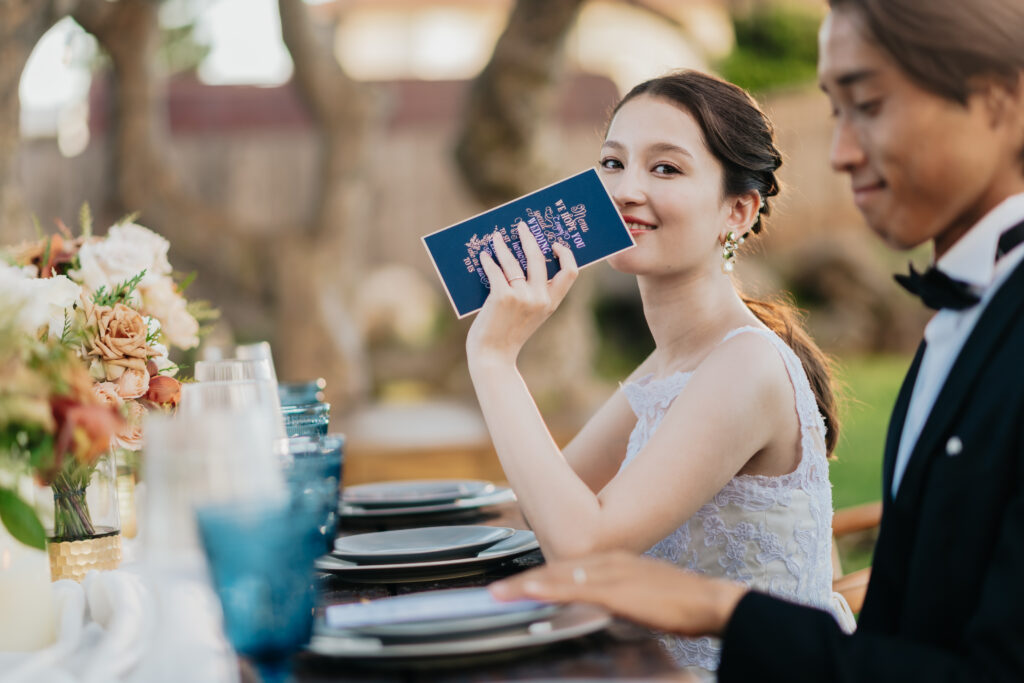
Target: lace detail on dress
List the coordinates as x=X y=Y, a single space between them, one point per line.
x=770 y=533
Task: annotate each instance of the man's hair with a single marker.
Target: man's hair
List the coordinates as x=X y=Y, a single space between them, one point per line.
x=946 y=46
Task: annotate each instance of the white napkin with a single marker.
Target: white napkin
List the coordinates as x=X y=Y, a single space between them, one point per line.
x=112 y=628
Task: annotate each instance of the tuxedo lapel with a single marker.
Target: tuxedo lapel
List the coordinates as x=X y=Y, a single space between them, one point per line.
x=899 y=416
x=998 y=314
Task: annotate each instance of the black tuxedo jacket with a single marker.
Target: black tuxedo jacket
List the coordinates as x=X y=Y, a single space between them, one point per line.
x=946 y=596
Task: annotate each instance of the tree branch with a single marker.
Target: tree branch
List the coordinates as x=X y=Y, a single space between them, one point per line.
x=129 y=32
x=22 y=24
x=510 y=98
x=338 y=104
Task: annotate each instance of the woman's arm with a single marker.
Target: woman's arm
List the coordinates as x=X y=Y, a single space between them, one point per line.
x=647 y=591
x=728 y=412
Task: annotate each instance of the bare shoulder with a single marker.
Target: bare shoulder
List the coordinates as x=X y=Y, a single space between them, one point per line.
x=750 y=364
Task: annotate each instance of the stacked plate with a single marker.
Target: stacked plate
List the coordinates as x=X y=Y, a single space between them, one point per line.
x=408 y=500
x=447 y=623
x=424 y=553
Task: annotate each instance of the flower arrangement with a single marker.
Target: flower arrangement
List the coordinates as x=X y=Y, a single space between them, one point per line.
x=87 y=324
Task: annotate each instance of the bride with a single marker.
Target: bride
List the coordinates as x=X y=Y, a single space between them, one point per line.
x=712 y=454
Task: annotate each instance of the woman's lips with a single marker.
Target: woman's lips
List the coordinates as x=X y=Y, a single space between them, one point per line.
x=637 y=226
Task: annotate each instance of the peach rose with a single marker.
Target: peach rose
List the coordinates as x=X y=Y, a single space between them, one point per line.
x=132 y=383
x=107 y=393
x=129 y=436
x=116 y=338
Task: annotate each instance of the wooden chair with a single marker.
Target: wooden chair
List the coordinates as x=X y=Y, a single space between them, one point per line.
x=850 y=520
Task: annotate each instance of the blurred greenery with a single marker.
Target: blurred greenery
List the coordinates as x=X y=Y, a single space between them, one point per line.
x=624 y=339
x=869 y=385
x=776 y=45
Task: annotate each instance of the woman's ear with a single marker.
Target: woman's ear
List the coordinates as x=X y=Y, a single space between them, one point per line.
x=743 y=211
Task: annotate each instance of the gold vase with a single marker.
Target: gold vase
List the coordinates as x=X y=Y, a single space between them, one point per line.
x=74 y=559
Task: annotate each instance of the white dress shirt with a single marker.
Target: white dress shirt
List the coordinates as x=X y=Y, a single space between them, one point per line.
x=972 y=259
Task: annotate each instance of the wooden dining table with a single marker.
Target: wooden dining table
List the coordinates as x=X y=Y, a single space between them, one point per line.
x=623 y=651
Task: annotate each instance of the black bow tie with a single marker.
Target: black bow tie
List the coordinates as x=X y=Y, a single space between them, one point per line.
x=938 y=290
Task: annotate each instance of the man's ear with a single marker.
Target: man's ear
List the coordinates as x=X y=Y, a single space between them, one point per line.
x=1003 y=101
x=743 y=211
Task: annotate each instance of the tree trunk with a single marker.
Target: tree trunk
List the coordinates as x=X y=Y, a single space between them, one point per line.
x=293 y=273
x=326 y=265
x=509 y=100
x=22 y=24
x=497 y=155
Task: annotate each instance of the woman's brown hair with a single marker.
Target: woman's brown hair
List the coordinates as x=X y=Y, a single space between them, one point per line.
x=742 y=138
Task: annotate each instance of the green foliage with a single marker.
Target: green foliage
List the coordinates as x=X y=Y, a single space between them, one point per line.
x=85 y=220
x=204 y=313
x=185 y=281
x=179 y=50
x=20 y=520
x=776 y=45
x=120 y=293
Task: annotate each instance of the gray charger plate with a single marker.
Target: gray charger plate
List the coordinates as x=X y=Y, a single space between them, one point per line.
x=414 y=492
x=418 y=545
x=519 y=543
x=572 y=621
x=500 y=495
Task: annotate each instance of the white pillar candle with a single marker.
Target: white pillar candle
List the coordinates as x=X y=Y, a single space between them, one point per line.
x=27 y=618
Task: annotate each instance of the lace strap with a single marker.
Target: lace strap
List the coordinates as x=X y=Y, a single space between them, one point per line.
x=811 y=421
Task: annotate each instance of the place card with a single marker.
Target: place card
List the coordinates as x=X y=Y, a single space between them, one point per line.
x=576 y=212
x=439 y=605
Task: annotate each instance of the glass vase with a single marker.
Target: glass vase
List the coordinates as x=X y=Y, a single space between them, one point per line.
x=127 y=463
x=85 y=530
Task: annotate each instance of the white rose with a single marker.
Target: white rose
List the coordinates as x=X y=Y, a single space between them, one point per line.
x=161 y=300
x=164 y=366
x=41 y=301
x=127 y=250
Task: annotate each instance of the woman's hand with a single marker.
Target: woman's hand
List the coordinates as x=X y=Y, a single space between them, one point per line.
x=650 y=592
x=518 y=302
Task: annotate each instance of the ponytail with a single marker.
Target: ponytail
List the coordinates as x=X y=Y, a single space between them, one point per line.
x=784 y=320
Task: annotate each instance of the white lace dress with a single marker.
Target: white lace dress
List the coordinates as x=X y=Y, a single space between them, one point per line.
x=770 y=533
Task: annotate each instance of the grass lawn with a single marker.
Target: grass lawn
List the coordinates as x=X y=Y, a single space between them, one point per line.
x=869 y=385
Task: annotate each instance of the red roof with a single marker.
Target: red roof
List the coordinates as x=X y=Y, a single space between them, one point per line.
x=194 y=107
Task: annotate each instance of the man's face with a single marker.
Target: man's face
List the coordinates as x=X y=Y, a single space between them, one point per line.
x=921 y=167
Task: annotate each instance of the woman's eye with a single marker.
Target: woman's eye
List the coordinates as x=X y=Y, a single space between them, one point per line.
x=610 y=163
x=665 y=169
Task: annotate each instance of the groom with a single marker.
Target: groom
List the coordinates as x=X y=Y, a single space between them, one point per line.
x=928 y=98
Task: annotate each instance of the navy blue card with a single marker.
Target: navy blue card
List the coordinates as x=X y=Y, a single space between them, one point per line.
x=576 y=211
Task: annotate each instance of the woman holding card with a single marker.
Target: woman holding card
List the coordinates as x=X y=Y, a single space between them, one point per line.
x=712 y=454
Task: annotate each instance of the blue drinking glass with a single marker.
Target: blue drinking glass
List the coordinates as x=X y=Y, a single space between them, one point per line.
x=301 y=393
x=310 y=419
x=260 y=556
x=312 y=469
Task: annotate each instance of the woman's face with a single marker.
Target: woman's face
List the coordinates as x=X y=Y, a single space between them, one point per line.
x=668 y=187
x=921 y=167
